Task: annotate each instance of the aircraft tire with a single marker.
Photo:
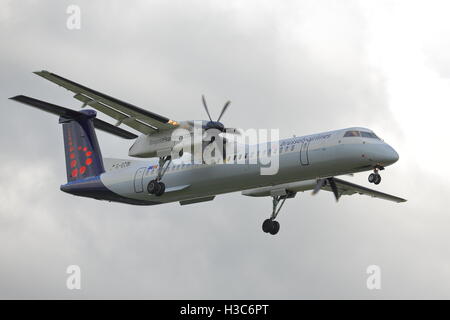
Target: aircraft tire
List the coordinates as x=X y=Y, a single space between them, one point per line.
x=152 y=187
x=267 y=225
x=161 y=189
x=377 y=179
x=275 y=228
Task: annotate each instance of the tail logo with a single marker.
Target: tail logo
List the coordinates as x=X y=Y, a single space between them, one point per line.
x=78 y=167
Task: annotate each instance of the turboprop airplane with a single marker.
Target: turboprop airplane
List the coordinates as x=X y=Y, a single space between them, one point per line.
x=305 y=163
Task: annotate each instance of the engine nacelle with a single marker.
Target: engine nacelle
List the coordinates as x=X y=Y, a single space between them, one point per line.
x=167 y=143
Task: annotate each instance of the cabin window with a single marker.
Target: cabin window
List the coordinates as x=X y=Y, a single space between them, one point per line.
x=352 y=133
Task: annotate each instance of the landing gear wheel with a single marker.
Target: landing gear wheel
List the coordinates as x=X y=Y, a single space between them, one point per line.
x=375 y=176
x=270 y=225
x=377 y=179
x=161 y=189
x=267 y=225
x=155 y=186
x=152 y=187
x=275 y=228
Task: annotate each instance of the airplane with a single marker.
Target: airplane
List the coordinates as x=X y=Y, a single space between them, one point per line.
x=306 y=163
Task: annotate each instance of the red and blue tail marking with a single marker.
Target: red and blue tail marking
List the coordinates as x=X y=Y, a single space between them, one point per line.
x=83 y=155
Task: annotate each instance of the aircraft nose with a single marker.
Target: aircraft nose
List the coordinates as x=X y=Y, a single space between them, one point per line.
x=382 y=154
x=389 y=155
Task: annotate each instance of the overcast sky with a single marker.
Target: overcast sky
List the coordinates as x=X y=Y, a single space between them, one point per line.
x=300 y=66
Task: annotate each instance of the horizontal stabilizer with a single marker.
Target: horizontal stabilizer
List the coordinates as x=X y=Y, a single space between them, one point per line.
x=72 y=114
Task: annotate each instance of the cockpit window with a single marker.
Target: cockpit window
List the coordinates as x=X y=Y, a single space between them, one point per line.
x=372 y=135
x=364 y=134
x=352 y=134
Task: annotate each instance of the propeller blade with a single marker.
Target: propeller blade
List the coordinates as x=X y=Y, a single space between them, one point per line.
x=334 y=188
x=319 y=185
x=225 y=107
x=206 y=107
x=322 y=182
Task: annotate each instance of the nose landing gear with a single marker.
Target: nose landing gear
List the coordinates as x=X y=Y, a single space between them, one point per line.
x=375 y=176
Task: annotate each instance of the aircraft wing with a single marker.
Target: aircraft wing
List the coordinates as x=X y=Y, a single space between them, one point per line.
x=137 y=118
x=343 y=188
x=348 y=188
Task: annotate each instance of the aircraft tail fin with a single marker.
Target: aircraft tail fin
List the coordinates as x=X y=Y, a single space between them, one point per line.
x=82 y=151
x=81 y=148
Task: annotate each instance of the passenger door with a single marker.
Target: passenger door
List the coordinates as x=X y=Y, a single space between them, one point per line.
x=304 y=157
x=139 y=180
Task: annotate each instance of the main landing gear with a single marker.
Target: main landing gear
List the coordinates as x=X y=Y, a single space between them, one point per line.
x=375 y=176
x=270 y=225
x=157 y=187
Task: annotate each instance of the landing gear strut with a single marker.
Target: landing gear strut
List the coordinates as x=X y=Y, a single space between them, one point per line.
x=375 y=176
x=270 y=225
x=157 y=187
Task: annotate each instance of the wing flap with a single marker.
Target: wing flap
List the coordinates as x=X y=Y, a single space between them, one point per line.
x=136 y=124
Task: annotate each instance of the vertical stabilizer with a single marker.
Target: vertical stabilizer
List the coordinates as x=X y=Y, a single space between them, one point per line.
x=82 y=151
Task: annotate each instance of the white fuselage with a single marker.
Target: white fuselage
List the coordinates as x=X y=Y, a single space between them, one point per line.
x=300 y=158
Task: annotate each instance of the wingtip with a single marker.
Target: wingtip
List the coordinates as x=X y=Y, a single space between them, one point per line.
x=41 y=72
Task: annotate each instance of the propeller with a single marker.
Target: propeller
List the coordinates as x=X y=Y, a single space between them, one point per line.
x=217 y=124
x=206 y=107
x=323 y=182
